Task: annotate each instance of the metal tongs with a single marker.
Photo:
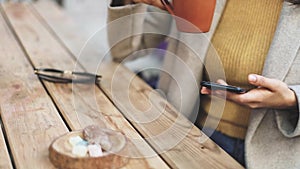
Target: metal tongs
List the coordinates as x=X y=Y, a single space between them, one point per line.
x=66 y=76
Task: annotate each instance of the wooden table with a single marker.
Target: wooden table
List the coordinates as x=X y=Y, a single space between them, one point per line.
x=35 y=112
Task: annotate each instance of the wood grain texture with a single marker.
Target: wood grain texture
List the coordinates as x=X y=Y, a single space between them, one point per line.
x=5 y=161
x=81 y=104
x=180 y=143
x=30 y=119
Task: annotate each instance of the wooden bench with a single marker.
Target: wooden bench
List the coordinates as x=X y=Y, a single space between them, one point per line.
x=45 y=50
x=35 y=112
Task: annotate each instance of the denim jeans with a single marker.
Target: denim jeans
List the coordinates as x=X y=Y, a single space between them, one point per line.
x=233 y=146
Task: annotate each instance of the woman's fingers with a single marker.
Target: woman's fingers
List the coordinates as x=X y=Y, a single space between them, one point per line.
x=205 y=90
x=261 y=81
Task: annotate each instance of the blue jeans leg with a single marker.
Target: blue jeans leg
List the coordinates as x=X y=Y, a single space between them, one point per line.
x=233 y=146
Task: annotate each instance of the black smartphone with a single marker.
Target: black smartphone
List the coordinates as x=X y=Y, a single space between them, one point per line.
x=216 y=86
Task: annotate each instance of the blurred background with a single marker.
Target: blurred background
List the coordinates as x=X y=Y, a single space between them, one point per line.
x=89 y=17
x=91 y=14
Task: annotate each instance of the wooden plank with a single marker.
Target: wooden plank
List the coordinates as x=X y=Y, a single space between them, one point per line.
x=4 y=156
x=81 y=105
x=161 y=124
x=30 y=119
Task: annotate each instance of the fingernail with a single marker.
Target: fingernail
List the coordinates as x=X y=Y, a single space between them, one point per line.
x=203 y=92
x=252 y=78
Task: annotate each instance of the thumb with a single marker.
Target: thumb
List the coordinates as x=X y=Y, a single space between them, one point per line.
x=261 y=81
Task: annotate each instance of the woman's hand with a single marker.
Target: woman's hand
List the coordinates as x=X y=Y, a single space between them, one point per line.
x=270 y=93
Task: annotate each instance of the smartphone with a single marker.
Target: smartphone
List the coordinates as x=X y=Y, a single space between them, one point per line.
x=216 y=86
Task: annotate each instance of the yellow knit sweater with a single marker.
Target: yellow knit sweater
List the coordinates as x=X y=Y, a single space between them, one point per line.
x=242 y=40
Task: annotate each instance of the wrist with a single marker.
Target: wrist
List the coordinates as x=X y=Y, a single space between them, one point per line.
x=293 y=102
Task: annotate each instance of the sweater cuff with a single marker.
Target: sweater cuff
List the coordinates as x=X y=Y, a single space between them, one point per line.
x=288 y=121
